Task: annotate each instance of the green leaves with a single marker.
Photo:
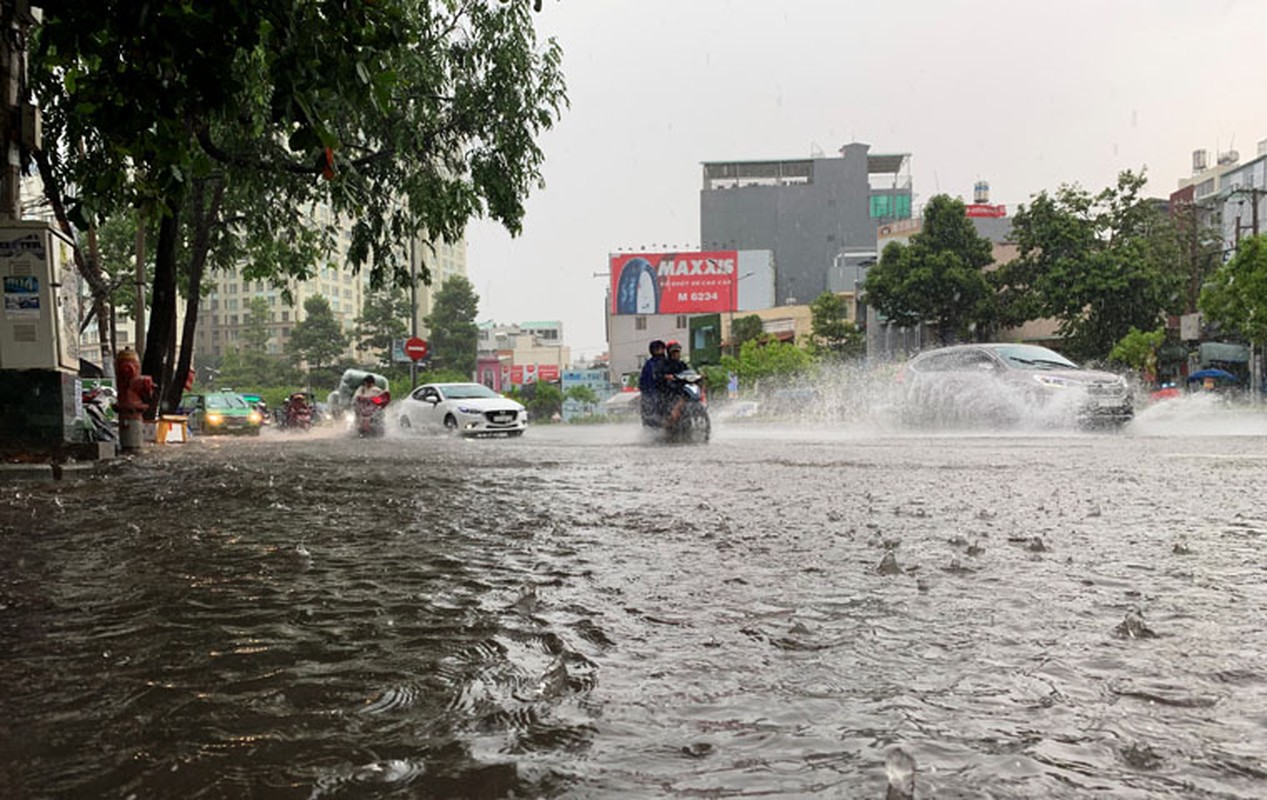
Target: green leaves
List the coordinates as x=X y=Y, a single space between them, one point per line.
x=938 y=277
x=1236 y=295
x=454 y=336
x=1101 y=264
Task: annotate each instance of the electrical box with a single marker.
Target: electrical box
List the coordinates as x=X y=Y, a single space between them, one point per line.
x=40 y=326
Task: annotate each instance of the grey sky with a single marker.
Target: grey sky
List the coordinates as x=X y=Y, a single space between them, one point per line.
x=1024 y=94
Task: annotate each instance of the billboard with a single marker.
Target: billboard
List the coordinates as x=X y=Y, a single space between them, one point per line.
x=674 y=283
x=521 y=374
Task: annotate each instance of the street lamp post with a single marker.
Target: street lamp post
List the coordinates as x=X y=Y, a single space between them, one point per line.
x=413 y=308
x=734 y=301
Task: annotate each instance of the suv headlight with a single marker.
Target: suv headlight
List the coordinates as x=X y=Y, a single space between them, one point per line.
x=1055 y=381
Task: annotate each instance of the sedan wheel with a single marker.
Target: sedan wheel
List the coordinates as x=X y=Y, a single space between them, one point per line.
x=451 y=424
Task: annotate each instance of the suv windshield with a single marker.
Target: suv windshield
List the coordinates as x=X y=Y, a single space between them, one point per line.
x=1028 y=356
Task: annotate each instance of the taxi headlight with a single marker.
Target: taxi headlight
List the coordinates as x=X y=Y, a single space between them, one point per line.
x=214 y=419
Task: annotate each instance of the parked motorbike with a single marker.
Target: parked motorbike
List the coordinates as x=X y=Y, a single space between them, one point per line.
x=371 y=414
x=692 y=424
x=98 y=426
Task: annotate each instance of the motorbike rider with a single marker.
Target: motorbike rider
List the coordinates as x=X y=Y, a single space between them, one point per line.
x=648 y=381
x=669 y=369
x=368 y=388
x=296 y=405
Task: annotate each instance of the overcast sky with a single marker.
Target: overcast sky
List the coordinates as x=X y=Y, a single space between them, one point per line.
x=1024 y=94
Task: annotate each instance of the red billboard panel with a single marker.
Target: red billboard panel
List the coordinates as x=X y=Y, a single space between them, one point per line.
x=984 y=210
x=532 y=373
x=674 y=283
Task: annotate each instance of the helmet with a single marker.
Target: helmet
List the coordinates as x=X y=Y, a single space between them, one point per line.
x=657 y=344
x=369 y=379
x=673 y=344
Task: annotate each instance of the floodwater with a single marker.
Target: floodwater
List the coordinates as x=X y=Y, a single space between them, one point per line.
x=584 y=613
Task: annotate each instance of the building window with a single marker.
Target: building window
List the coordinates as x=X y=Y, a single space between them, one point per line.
x=640 y=323
x=285 y=316
x=891 y=206
x=681 y=322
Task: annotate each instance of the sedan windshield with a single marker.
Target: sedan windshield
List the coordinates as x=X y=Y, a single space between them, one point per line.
x=1028 y=356
x=225 y=401
x=468 y=391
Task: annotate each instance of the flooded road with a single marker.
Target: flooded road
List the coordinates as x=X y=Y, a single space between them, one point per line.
x=581 y=613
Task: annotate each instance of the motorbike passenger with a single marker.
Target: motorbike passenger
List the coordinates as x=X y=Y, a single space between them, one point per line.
x=673 y=401
x=648 y=381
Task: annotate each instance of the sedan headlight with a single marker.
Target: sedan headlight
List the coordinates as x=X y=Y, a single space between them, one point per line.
x=467 y=410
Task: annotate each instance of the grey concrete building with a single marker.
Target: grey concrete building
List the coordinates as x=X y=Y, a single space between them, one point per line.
x=817 y=215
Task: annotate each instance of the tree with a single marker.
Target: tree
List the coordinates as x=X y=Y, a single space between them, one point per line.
x=231 y=120
x=767 y=357
x=745 y=329
x=1138 y=350
x=319 y=339
x=454 y=334
x=938 y=277
x=1100 y=264
x=832 y=333
x=1236 y=295
x=382 y=321
x=583 y=395
x=543 y=400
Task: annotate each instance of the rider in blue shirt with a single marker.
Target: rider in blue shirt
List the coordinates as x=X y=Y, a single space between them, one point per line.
x=649 y=379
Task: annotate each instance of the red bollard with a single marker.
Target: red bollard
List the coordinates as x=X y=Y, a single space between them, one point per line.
x=135 y=391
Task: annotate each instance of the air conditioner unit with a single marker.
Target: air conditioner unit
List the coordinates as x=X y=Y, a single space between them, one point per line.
x=40 y=327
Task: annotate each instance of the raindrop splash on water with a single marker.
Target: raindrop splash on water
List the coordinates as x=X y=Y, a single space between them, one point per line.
x=899 y=766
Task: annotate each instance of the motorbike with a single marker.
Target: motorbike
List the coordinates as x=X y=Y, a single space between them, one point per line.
x=371 y=414
x=692 y=424
x=298 y=413
x=98 y=427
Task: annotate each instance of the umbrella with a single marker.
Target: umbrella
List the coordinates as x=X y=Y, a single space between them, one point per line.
x=1217 y=374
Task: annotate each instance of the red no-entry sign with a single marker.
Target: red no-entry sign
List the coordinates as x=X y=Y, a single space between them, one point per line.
x=416 y=348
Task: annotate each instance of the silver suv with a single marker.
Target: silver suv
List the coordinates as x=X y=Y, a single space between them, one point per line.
x=1010 y=384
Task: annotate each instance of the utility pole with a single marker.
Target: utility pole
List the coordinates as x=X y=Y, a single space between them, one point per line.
x=139 y=319
x=413 y=308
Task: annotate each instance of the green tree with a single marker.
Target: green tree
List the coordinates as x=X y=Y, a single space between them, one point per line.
x=1100 y=264
x=1236 y=296
x=543 y=400
x=258 y=367
x=745 y=329
x=938 y=278
x=454 y=340
x=233 y=119
x=382 y=321
x=319 y=339
x=768 y=359
x=1138 y=350
x=832 y=334
x=583 y=395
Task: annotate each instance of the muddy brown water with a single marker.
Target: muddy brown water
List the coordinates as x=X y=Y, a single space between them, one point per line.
x=581 y=613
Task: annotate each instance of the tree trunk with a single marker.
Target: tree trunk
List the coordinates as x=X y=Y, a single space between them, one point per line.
x=204 y=217
x=157 y=362
x=89 y=267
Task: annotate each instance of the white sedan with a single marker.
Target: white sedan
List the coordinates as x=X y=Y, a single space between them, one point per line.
x=469 y=409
